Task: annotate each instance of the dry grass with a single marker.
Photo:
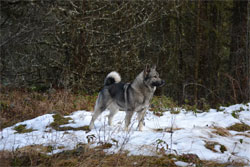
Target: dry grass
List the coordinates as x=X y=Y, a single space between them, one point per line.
x=20 y=105
x=168 y=129
x=240 y=127
x=216 y=164
x=92 y=157
x=84 y=158
x=221 y=131
x=211 y=146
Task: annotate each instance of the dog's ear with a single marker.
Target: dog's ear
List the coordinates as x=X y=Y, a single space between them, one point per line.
x=146 y=70
x=154 y=67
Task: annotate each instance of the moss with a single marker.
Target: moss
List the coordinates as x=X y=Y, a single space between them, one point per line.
x=223 y=148
x=240 y=127
x=22 y=129
x=84 y=128
x=235 y=114
x=59 y=120
x=241 y=141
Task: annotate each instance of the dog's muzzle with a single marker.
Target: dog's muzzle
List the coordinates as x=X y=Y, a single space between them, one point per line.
x=162 y=83
x=159 y=83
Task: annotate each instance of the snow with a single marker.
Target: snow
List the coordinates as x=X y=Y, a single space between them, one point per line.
x=191 y=131
x=180 y=163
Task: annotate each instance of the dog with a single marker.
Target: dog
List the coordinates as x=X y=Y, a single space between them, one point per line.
x=129 y=97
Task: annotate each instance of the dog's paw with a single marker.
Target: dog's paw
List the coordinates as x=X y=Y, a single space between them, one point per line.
x=126 y=129
x=91 y=126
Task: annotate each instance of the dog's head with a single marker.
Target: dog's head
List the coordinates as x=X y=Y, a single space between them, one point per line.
x=151 y=77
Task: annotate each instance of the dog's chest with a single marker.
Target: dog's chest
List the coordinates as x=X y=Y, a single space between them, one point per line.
x=145 y=100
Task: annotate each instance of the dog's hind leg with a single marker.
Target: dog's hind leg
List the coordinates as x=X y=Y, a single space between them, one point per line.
x=97 y=112
x=99 y=108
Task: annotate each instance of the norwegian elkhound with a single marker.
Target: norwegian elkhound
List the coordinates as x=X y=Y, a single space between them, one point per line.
x=129 y=97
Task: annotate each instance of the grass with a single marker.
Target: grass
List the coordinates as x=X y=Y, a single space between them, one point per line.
x=211 y=146
x=59 y=120
x=20 y=105
x=22 y=129
x=84 y=128
x=240 y=127
x=160 y=104
x=235 y=113
x=92 y=157
x=191 y=158
x=81 y=157
x=221 y=131
x=170 y=130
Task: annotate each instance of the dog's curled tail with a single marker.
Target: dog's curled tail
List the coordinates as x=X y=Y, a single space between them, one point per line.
x=111 y=78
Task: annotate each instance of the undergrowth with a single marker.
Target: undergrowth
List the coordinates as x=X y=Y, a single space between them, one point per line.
x=20 y=105
x=240 y=127
x=160 y=104
x=85 y=156
x=22 y=129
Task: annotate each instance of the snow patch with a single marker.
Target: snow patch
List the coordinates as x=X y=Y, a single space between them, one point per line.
x=190 y=133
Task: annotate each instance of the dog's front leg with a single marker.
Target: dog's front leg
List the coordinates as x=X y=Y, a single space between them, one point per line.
x=128 y=117
x=140 y=118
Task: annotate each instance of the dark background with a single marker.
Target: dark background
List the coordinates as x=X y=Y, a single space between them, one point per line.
x=201 y=48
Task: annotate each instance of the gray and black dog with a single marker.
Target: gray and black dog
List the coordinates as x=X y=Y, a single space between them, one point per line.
x=130 y=97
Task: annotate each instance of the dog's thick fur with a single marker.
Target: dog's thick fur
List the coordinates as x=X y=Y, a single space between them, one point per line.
x=130 y=97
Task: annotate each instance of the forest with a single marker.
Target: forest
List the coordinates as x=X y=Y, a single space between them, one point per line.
x=201 y=48
x=56 y=54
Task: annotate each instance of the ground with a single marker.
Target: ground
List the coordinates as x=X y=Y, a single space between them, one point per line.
x=220 y=135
